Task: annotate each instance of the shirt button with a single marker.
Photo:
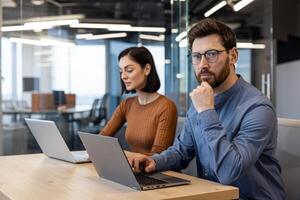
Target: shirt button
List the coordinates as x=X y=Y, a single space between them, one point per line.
x=205 y=172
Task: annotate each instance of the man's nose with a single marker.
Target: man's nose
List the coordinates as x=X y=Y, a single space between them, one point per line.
x=202 y=64
x=203 y=61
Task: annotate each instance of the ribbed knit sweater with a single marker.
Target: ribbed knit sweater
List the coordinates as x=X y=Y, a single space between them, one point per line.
x=150 y=128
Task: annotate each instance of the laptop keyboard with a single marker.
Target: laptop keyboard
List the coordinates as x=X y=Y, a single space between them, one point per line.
x=146 y=180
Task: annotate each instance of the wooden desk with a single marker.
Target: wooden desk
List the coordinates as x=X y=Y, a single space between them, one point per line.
x=67 y=114
x=36 y=176
x=65 y=120
x=67 y=111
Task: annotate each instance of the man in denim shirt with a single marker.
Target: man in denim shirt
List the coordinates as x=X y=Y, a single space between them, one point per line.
x=231 y=127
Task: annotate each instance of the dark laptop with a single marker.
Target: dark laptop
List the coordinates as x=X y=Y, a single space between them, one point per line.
x=111 y=163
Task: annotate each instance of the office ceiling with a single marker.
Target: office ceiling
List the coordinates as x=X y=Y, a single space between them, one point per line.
x=248 y=23
x=146 y=13
x=252 y=22
x=137 y=13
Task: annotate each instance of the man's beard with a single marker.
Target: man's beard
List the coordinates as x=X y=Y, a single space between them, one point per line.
x=214 y=80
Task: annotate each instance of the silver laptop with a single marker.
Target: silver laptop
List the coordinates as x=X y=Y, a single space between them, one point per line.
x=111 y=163
x=52 y=143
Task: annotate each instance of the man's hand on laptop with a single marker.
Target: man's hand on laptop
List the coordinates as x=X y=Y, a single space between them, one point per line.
x=141 y=163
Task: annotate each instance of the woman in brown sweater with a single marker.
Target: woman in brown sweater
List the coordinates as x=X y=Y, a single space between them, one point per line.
x=151 y=118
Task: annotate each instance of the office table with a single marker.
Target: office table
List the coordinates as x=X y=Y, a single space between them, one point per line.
x=70 y=112
x=65 y=118
x=35 y=176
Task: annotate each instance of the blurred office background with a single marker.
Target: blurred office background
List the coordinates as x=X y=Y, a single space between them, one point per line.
x=70 y=47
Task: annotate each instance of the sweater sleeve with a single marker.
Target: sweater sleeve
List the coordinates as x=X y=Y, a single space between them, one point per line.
x=166 y=128
x=116 y=121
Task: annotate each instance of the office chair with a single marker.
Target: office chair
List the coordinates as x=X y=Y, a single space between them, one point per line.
x=97 y=117
x=92 y=118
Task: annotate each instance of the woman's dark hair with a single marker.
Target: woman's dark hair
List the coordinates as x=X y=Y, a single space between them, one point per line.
x=207 y=27
x=142 y=56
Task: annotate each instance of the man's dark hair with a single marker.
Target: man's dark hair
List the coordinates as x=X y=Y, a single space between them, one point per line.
x=209 y=26
x=142 y=56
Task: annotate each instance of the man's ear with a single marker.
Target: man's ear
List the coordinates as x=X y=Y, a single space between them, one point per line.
x=233 y=56
x=147 y=69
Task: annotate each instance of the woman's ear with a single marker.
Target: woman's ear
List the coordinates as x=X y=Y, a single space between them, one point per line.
x=147 y=69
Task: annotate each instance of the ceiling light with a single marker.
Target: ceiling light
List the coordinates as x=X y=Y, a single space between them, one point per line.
x=215 y=8
x=83 y=36
x=179 y=76
x=27 y=41
x=174 y=30
x=183 y=43
x=107 y=36
x=53 y=23
x=55 y=17
x=249 y=45
x=167 y=61
x=37 y=30
x=119 y=27
x=24 y=28
x=42 y=42
x=139 y=29
x=172 y=1
x=181 y=36
x=41 y=23
x=241 y=5
x=99 y=26
x=152 y=37
x=37 y=2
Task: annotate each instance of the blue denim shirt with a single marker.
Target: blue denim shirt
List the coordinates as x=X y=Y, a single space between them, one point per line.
x=233 y=144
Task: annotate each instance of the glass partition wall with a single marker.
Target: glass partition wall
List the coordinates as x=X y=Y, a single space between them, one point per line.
x=69 y=48
x=1 y=129
x=253 y=27
x=178 y=71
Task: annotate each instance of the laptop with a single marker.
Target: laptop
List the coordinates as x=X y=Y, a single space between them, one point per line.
x=111 y=163
x=52 y=143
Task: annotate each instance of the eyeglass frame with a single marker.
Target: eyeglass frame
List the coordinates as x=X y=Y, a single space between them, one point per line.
x=205 y=55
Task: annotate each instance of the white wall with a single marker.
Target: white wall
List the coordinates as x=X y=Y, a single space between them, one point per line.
x=288 y=153
x=288 y=90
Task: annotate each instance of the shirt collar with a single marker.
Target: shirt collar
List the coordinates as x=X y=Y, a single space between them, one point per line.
x=222 y=97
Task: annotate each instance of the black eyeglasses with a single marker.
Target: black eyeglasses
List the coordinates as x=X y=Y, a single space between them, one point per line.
x=210 y=55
